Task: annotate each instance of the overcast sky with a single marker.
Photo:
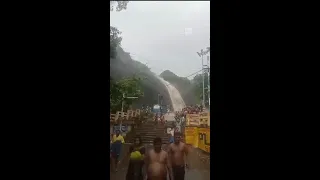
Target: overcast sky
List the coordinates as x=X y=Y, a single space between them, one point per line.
x=158 y=33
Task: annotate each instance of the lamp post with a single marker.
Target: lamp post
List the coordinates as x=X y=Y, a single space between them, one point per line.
x=201 y=55
x=123 y=98
x=208 y=59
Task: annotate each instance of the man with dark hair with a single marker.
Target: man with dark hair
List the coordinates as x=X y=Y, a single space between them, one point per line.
x=157 y=162
x=177 y=153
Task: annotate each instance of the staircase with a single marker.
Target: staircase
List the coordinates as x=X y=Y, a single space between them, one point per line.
x=148 y=131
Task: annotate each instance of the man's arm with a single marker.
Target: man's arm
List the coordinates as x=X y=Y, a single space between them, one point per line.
x=169 y=151
x=186 y=152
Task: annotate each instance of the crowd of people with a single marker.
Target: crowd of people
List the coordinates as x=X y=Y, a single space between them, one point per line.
x=155 y=163
x=159 y=119
x=194 y=109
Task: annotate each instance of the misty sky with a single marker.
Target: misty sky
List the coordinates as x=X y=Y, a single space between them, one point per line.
x=154 y=32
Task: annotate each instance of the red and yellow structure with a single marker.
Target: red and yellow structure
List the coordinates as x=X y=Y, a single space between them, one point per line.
x=197 y=131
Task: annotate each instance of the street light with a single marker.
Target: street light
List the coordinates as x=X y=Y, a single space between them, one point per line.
x=201 y=55
x=123 y=97
x=208 y=60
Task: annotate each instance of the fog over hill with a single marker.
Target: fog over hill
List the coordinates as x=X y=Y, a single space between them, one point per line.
x=124 y=66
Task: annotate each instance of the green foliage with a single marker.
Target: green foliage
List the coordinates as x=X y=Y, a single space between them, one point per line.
x=130 y=76
x=125 y=67
x=128 y=86
x=121 y=5
x=197 y=82
x=115 y=39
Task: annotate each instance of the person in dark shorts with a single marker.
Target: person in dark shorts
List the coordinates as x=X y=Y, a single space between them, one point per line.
x=117 y=141
x=177 y=153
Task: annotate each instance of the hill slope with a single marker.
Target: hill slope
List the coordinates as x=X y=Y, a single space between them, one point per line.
x=124 y=66
x=184 y=86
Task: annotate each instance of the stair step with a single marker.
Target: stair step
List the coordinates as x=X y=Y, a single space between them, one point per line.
x=151 y=139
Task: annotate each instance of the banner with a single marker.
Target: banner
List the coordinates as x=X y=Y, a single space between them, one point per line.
x=193 y=119
x=205 y=118
x=204 y=139
x=124 y=128
x=191 y=136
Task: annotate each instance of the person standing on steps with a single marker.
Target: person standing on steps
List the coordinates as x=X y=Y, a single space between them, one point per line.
x=171 y=140
x=162 y=120
x=157 y=162
x=116 y=146
x=178 y=152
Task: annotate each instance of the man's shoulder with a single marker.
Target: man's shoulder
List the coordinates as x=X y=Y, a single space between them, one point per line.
x=164 y=152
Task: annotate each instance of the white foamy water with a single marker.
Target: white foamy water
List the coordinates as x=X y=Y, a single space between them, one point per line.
x=176 y=99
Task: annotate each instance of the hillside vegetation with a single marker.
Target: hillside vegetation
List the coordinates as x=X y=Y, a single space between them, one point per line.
x=190 y=90
x=130 y=77
x=124 y=67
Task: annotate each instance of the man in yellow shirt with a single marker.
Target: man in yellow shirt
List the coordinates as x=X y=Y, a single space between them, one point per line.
x=117 y=137
x=117 y=141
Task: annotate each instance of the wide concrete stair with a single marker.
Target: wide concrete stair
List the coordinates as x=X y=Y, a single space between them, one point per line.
x=148 y=131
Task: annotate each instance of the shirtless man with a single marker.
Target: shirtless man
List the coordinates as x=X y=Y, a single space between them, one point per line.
x=177 y=152
x=157 y=162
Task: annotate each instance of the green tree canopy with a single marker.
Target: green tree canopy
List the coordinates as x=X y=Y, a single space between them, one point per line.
x=130 y=87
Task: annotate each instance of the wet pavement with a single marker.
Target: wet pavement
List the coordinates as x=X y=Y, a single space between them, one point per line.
x=199 y=165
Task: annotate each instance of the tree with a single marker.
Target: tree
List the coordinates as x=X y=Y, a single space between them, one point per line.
x=115 y=39
x=121 y=5
x=131 y=87
x=197 y=81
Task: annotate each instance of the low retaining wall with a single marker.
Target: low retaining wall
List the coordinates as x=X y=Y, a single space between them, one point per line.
x=198 y=137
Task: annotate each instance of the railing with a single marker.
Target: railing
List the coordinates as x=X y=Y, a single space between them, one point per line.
x=135 y=118
x=130 y=115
